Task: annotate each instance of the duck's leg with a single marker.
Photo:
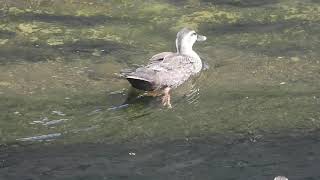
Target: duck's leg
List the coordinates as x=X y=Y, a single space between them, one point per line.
x=166 y=97
x=153 y=93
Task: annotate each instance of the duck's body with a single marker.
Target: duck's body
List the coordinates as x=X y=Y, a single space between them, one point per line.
x=168 y=70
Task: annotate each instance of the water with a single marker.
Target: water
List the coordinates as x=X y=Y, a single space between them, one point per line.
x=66 y=114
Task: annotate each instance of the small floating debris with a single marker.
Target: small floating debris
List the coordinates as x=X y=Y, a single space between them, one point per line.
x=41 y=137
x=132 y=153
x=36 y=122
x=295 y=59
x=58 y=113
x=17 y=113
x=255 y=138
x=282 y=83
x=280 y=178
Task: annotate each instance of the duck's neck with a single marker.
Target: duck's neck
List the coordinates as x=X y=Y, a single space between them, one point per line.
x=186 y=49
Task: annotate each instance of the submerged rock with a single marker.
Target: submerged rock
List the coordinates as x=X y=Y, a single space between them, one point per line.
x=28 y=28
x=3 y=41
x=15 y=11
x=54 y=41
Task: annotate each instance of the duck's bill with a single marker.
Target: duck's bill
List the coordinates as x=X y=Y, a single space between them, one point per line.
x=201 y=38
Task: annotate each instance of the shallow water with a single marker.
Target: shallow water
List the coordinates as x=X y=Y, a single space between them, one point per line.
x=65 y=113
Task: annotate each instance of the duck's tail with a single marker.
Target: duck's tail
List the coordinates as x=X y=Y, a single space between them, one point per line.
x=141 y=78
x=140 y=83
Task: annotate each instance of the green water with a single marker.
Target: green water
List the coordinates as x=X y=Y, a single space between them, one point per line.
x=66 y=114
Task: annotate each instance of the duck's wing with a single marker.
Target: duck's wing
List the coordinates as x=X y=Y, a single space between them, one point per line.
x=172 y=71
x=160 y=56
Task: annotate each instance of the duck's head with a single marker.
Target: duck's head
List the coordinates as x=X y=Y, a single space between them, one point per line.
x=186 y=38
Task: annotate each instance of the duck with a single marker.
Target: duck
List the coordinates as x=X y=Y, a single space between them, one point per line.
x=168 y=70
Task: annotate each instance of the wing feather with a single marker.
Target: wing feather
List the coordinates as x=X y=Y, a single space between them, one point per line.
x=160 y=56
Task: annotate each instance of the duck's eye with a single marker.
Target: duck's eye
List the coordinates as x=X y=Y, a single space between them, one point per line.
x=194 y=34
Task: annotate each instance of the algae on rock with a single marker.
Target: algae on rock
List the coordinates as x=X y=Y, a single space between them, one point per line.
x=211 y=16
x=28 y=28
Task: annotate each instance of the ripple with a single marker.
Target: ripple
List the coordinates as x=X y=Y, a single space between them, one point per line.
x=54 y=122
x=46 y=137
x=84 y=129
x=118 y=107
x=193 y=96
x=46 y=122
x=58 y=113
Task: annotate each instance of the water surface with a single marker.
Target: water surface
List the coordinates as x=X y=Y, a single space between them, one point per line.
x=66 y=114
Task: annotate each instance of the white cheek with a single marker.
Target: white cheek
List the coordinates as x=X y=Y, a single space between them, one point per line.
x=186 y=41
x=192 y=39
